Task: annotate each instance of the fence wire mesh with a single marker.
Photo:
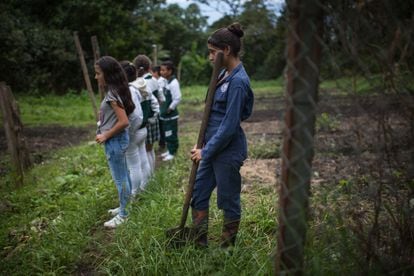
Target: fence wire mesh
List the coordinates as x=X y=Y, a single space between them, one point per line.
x=347 y=180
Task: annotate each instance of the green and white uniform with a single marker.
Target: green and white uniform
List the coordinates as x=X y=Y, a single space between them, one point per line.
x=169 y=114
x=153 y=125
x=154 y=87
x=145 y=98
x=150 y=109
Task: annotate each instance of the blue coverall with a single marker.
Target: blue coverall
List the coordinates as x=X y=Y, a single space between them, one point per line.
x=225 y=146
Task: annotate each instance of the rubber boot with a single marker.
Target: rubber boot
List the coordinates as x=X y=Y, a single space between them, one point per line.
x=200 y=227
x=229 y=232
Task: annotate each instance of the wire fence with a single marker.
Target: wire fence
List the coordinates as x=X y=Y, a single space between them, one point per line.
x=347 y=180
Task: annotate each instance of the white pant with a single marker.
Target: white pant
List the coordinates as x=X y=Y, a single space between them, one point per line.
x=137 y=161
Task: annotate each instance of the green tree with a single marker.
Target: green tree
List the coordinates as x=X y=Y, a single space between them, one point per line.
x=39 y=51
x=34 y=55
x=195 y=67
x=261 y=42
x=275 y=60
x=179 y=28
x=264 y=41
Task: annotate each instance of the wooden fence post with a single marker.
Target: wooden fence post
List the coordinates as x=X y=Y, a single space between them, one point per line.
x=303 y=59
x=154 y=54
x=97 y=55
x=85 y=74
x=13 y=127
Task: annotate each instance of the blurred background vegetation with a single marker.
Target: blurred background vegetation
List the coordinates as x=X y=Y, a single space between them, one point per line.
x=38 y=53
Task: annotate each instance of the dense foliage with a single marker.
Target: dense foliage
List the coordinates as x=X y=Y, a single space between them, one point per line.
x=38 y=51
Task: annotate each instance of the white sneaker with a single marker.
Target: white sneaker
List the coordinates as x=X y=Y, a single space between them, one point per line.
x=115 y=221
x=114 y=211
x=168 y=157
x=165 y=154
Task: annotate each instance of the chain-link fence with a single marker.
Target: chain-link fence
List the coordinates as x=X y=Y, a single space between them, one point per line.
x=347 y=183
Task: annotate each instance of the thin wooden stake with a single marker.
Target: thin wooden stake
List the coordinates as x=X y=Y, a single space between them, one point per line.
x=154 y=54
x=13 y=127
x=85 y=73
x=97 y=55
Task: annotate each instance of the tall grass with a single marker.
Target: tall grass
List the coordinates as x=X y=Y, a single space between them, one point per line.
x=47 y=223
x=54 y=224
x=197 y=93
x=69 y=110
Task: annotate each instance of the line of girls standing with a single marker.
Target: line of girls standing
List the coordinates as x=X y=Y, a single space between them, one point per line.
x=129 y=126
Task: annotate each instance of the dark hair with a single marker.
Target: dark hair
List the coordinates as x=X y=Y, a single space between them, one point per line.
x=228 y=36
x=130 y=70
x=116 y=81
x=169 y=64
x=142 y=64
x=156 y=68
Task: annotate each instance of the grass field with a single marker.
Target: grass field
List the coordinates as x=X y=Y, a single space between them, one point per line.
x=54 y=224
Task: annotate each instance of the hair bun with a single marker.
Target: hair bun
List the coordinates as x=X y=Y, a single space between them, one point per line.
x=236 y=29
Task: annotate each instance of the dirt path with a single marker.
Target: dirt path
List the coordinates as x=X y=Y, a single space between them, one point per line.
x=43 y=140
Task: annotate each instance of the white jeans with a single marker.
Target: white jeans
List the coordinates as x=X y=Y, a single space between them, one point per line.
x=137 y=161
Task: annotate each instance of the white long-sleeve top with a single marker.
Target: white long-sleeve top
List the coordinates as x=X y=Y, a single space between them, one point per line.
x=136 y=117
x=174 y=88
x=155 y=106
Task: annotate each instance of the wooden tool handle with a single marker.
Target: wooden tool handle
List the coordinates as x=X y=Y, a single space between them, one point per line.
x=218 y=64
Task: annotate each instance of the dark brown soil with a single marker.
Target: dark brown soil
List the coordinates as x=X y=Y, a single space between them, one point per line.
x=48 y=138
x=358 y=134
x=42 y=140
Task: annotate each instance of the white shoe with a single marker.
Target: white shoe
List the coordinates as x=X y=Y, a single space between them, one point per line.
x=114 y=211
x=115 y=221
x=168 y=157
x=165 y=154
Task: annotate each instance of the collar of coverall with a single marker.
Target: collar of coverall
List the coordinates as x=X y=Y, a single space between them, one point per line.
x=223 y=78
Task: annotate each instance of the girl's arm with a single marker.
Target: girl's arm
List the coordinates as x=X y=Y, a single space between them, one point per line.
x=176 y=94
x=228 y=127
x=120 y=125
x=161 y=85
x=138 y=110
x=155 y=106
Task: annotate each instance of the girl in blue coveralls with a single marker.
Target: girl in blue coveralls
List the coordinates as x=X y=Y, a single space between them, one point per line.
x=113 y=128
x=225 y=146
